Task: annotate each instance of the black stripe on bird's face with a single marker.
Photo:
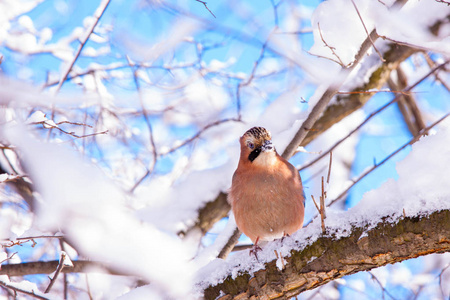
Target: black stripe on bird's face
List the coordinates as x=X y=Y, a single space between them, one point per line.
x=254 y=154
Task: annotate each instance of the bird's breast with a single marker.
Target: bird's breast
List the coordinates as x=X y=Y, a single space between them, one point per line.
x=267 y=204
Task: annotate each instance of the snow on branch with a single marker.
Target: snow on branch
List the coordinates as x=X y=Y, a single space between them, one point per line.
x=328 y=258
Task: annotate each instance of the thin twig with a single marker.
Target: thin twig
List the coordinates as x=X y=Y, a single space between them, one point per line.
x=367 y=32
x=331 y=48
x=139 y=181
x=374 y=114
x=74 y=123
x=440 y=281
x=414 y=46
x=17 y=243
x=88 y=288
x=150 y=131
x=329 y=167
x=381 y=286
x=100 y=10
x=281 y=258
x=443 y=1
x=275 y=12
x=65 y=283
x=58 y=270
x=407 y=104
x=35 y=237
x=8 y=258
x=375 y=166
x=322 y=207
x=46 y=125
x=315 y=203
x=204 y=3
x=251 y=77
x=374 y=92
x=17 y=289
x=432 y=64
x=197 y=135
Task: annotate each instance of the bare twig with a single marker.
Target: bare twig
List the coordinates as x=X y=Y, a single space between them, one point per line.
x=440 y=281
x=315 y=203
x=9 y=244
x=275 y=12
x=8 y=258
x=34 y=237
x=58 y=271
x=381 y=286
x=74 y=123
x=204 y=3
x=443 y=1
x=374 y=92
x=251 y=77
x=281 y=258
x=46 y=125
x=322 y=207
x=367 y=32
x=18 y=289
x=414 y=46
x=432 y=64
x=375 y=166
x=65 y=283
x=329 y=167
x=88 y=287
x=331 y=48
x=407 y=104
x=150 y=132
x=99 y=13
x=197 y=135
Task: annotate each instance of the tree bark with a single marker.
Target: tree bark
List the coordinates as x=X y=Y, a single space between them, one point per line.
x=329 y=258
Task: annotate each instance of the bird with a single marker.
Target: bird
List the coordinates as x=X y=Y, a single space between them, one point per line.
x=266 y=194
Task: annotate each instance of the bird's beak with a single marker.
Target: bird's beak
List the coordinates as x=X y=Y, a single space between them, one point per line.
x=267 y=146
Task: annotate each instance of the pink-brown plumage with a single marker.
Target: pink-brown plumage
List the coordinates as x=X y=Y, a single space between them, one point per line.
x=266 y=195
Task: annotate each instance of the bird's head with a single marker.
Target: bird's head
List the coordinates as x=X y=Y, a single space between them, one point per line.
x=256 y=146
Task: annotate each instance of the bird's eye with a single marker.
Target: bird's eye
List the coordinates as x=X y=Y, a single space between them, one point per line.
x=251 y=145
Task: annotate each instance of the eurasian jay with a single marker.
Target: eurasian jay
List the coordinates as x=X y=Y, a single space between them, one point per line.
x=266 y=194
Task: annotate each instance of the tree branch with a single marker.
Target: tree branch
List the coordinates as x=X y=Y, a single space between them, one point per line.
x=329 y=258
x=319 y=108
x=16 y=288
x=103 y=5
x=211 y=213
x=345 y=105
x=379 y=110
x=48 y=267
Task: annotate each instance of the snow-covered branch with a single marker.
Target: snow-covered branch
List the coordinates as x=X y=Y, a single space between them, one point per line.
x=328 y=258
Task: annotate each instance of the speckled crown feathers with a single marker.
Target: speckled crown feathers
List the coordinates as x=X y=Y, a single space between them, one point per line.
x=259 y=133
